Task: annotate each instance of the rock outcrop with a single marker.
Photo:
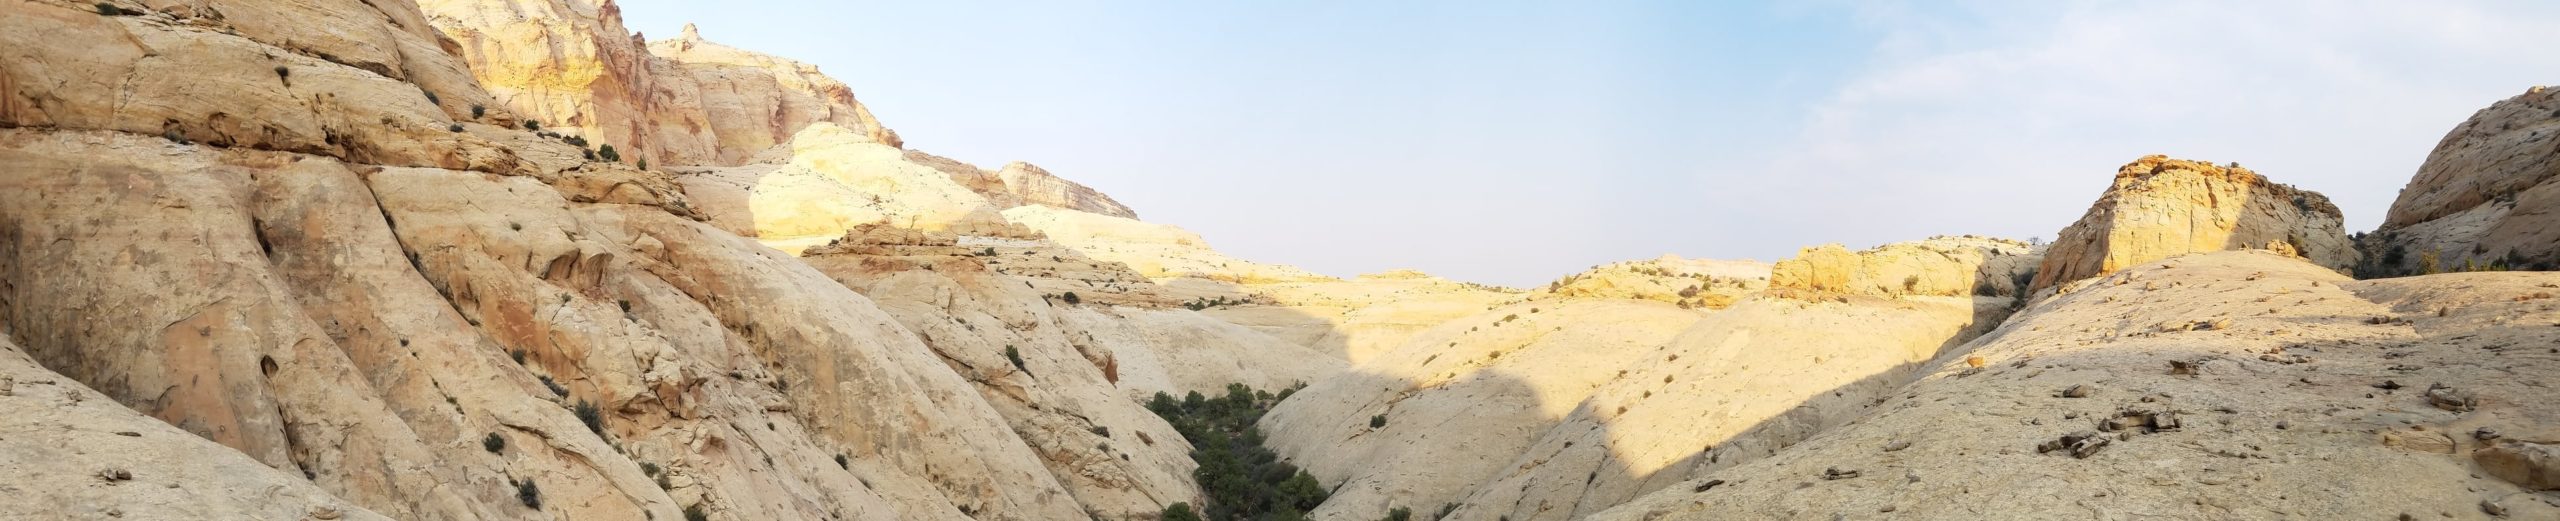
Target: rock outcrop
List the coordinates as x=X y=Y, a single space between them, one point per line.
x=1688 y=283
x=1939 y=266
x=2224 y=385
x=2161 y=207
x=1158 y=251
x=2487 y=197
x=1034 y=185
x=571 y=66
x=826 y=181
x=1356 y=319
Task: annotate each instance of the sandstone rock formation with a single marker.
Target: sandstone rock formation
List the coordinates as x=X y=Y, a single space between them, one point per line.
x=1939 y=266
x=571 y=66
x=1360 y=318
x=2234 y=384
x=71 y=453
x=2161 y=207
x=828 y=180
x=1689 y=283
x=1036 y=186
x=1156 y=250
x=1456 y=401
x=2488 y=196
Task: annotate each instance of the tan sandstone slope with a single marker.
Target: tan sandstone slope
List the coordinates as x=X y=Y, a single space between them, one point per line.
x=1582 y=407
x=2237 y=385
x=2488 y=196
x=2161 y=207
x=309 y=259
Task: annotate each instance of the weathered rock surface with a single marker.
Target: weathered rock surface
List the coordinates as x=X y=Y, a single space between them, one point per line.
x=1158 y=251
x=571 y=66
x=2489 y=195
x=1459 y=399
x=71 y=453
x=1053 y=384
x=2279 y=406
x=1035 y=185
x=2161 y=207
x=1356 y=319
x=1688 y=283
x=1939 y=266
x=828 y=180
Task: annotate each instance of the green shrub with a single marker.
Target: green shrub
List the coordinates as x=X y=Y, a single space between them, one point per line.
x=432 y=100
x=107 y=9
x=1015 y=355
x=494 y=443
x=1379 y=421
x=650 y=469
x=1180 y=512
x=588 y=414
x=532 y=497
x=694 y=512
x=1399 y=514
x=532 y=125
x=477 y=111
x=608 y=153
x=843 y=463
x=457 y=127
x=1243 y=479
x=1071 y=298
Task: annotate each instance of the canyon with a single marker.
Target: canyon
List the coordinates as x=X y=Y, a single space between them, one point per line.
x=505 y=259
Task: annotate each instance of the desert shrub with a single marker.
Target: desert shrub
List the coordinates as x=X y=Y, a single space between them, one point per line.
x=1378 y=421
x=457 y=127
x=533 y=125
x=477 y=111
x=432 y=100
x=1243 y=479
x=1180 y=512
x=608 y=153
x=107 y=9
x=1399 y=514
x=644 y=163
x=588 y=414
x=694 y=512
x=1071 y=298
x=494 y=443
x=530 y=495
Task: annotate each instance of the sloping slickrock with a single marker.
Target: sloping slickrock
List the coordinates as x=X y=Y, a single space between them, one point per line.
x=2246 y=385
x=1034 y=185
x=2488 y=195
x=1939 y=266
x=2160 y=207
x=72 y=453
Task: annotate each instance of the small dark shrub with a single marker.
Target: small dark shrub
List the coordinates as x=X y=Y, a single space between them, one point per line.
x=650 y=469
x=1071 y=298
x=477 y=111
x=554 y=386
x=532 y=497
x=107 y=9
x=1015 y=355
x=457 y=127
x=432 y=100
x=644 y=163
x=694 y=512
x=533 y=125
x=1180 y=512
x=588 y=414
x=1378 y=421
x=1399 y=514
x=494 y=443
x=518 y=355
x=283 y=72
x=843 y=463
x=608 y=153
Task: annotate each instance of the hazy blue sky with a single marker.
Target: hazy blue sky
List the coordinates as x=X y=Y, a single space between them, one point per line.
x=1513 y=143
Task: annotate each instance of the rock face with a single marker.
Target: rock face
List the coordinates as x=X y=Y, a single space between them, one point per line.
x=1357 y=319
x=571 y=66
x=1939 y=266
x=2161 y=207
x=828 y=180
x=2231 y=384
x=1156 y=250
x=2488 y=196
x=1036 y=186
x=71 y=453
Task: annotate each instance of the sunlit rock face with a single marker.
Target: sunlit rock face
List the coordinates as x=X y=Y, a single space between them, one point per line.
x=571 y=66
x=2230 y=384
x=2160 y=207
x=2488 y=196
x=1689 y=283
x=1939 y=266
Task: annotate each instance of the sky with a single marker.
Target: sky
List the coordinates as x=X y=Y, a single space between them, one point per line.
x=1517 y=142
